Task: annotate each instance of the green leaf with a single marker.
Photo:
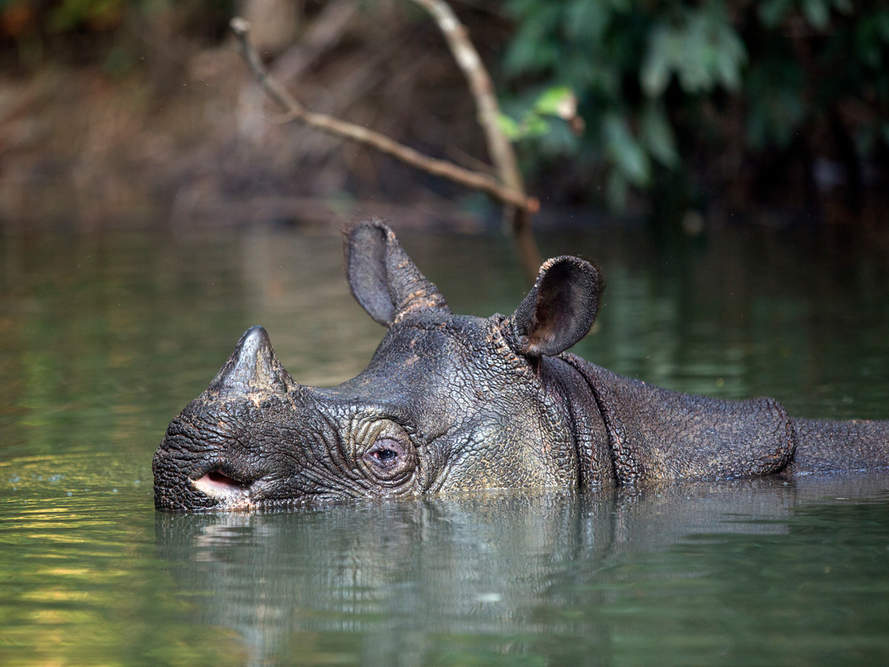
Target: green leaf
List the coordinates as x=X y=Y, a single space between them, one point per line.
x=817 y=13
x=772 y=12
x=843 y=6
x=654 y=75
x=729 y=56
x=776 y=105
x=587 y=19
x=625 y=151
x=616 y=190
x=554 y=101
x=535 y=126
x=657 y=135
x=509 y=127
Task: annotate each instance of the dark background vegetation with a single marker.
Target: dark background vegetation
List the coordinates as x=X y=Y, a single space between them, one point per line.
x=116 y=111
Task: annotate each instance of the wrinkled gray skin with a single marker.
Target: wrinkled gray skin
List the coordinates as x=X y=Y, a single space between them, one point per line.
x=452 y=403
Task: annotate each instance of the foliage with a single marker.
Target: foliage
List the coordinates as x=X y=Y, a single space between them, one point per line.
x=555 y=102
x=656 y=80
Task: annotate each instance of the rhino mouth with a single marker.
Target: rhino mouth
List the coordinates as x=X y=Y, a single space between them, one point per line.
x=229 y=492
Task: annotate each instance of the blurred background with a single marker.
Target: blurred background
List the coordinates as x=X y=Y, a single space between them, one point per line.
x=689 y=114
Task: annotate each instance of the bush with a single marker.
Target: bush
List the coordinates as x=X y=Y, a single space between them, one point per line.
x=658 y=82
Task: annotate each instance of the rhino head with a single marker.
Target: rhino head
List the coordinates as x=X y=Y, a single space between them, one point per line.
x=448 y=402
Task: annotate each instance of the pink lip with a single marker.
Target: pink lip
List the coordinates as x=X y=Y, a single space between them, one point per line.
x=230 y=493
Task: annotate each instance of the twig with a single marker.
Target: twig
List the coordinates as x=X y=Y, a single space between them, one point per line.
x=480 y=86
x=499 y=147
x=345 y=130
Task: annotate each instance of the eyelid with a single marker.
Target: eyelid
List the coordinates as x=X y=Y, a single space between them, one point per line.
x=377 y=428
x=377 y=443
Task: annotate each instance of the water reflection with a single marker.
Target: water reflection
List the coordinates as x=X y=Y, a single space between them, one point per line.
x=107 y=336
x=496 y=576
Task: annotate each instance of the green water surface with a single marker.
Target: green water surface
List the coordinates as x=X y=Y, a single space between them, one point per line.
x=108 y=335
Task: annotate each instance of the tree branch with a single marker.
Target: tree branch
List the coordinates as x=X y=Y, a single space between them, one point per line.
x=481 y=87
x=499 y=147
x=296 y=111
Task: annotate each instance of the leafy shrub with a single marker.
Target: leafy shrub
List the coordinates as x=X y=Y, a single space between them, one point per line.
x=658 y=81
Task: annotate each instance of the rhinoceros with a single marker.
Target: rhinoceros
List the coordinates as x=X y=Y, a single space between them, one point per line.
x=453 y=404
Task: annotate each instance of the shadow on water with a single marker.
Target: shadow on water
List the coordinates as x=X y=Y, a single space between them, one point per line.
x=706 y=571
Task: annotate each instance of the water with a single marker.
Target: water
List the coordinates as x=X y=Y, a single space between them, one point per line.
x=107 y=336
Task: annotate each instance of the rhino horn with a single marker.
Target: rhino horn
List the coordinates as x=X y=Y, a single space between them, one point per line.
x=252 y=368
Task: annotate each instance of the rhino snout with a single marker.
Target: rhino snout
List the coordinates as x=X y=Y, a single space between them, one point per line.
x=211 y=482
x=203 y=463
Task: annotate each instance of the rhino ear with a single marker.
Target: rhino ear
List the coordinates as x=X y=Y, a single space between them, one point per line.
x=384 y=280
x=558 y=311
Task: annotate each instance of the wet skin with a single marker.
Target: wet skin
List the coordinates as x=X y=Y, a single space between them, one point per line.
x=452 y=404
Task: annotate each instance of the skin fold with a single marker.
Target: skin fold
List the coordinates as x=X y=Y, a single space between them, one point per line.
x=454 y=404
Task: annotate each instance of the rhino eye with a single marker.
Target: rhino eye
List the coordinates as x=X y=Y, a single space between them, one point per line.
x=385 y=453
x=388 y=457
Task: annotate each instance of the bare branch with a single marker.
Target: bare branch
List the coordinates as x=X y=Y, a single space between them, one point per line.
x=382 y=143
x=481 y=87
x=499 y=147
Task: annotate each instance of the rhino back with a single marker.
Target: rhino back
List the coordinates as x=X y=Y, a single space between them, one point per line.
x=656 y=434
x=831 y=446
